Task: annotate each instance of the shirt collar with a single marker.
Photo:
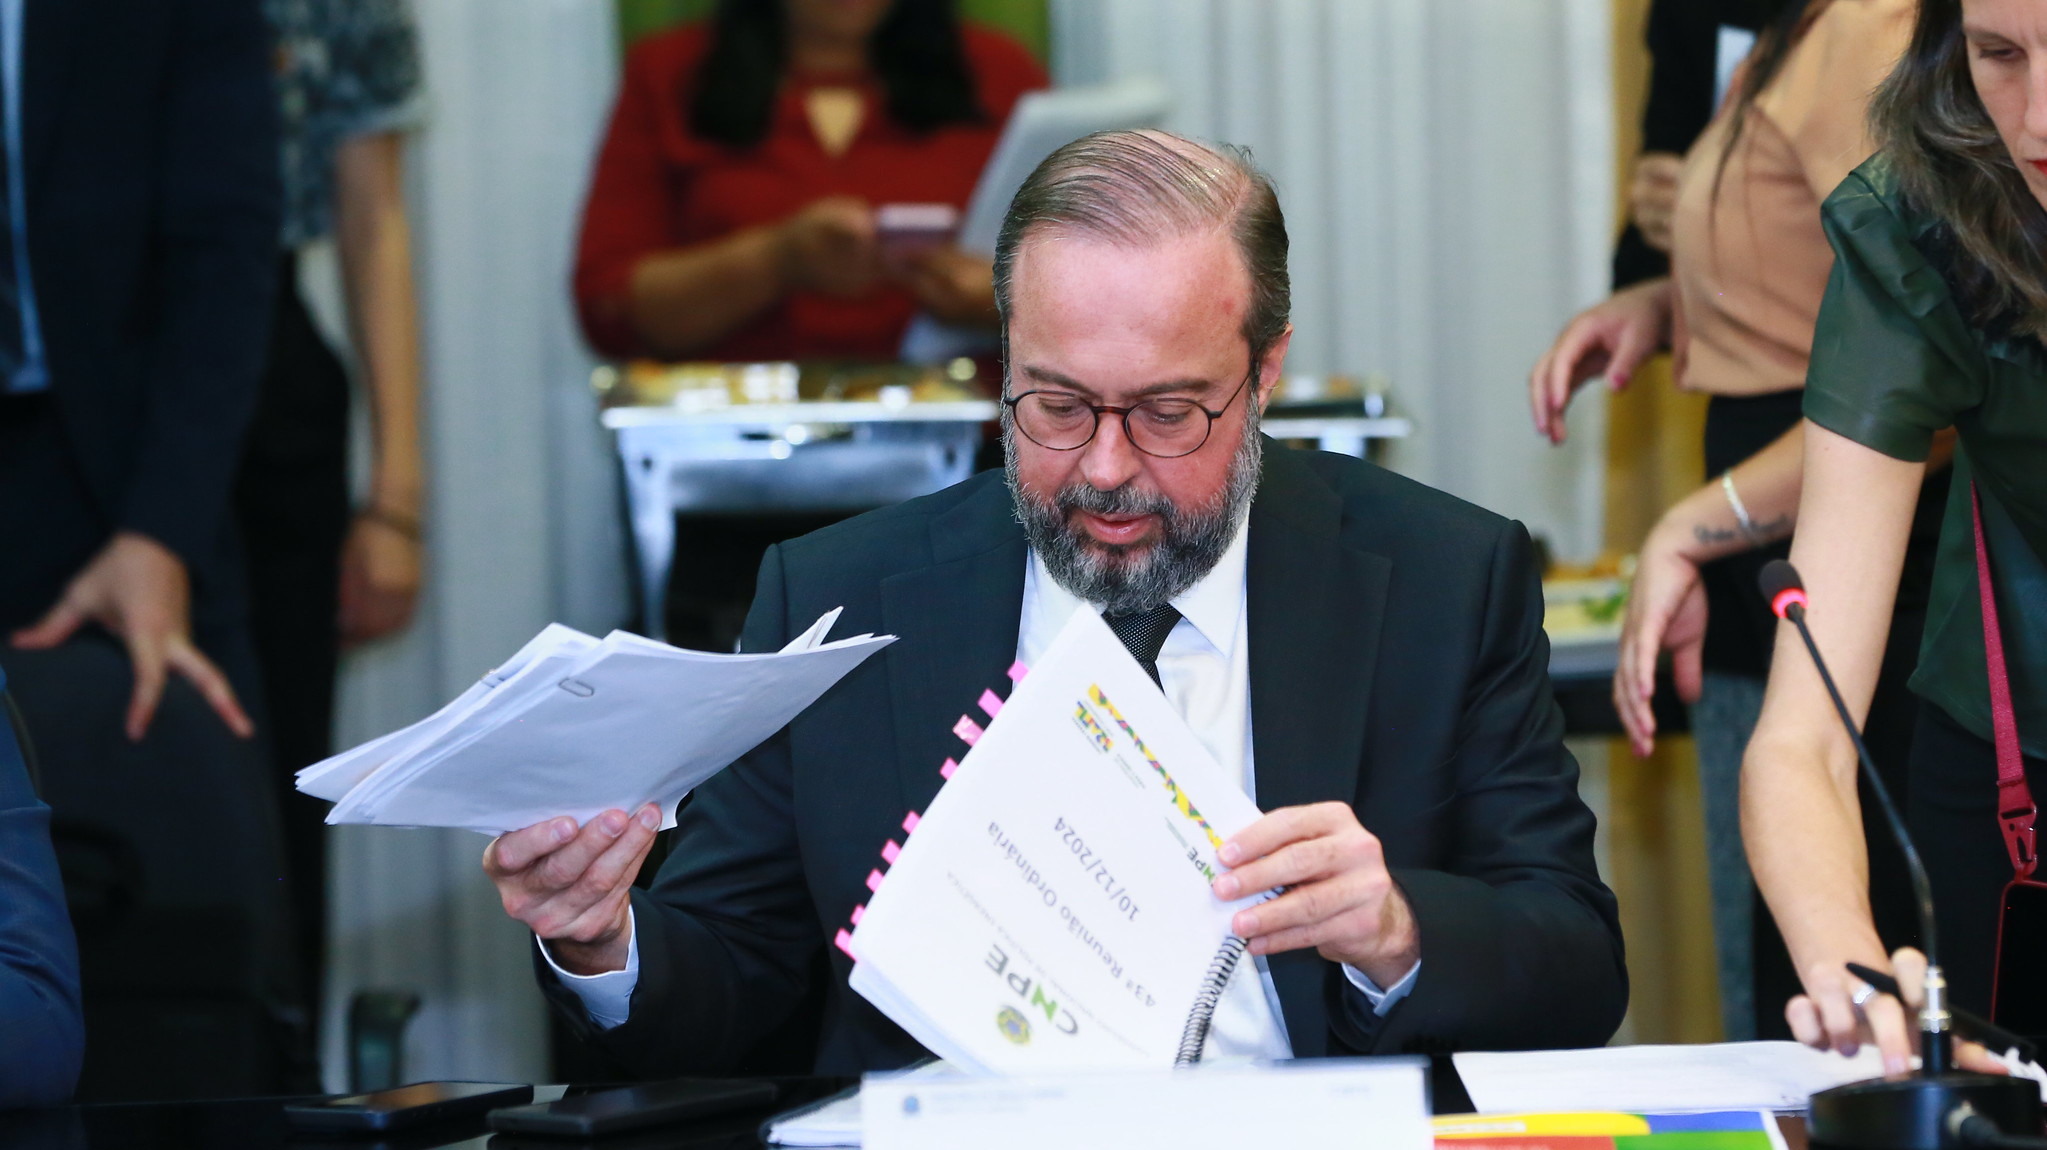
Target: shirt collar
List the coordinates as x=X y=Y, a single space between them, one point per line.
x=1214 y=604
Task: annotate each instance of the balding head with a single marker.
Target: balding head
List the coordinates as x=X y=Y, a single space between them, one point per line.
x=1140 y=187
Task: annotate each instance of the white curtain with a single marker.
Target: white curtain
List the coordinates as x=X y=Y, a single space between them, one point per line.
x=1446 y=168
x=523 y=518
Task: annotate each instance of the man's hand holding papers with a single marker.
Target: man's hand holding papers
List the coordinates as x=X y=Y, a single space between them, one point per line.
x=570 y=885
x=1339 y=897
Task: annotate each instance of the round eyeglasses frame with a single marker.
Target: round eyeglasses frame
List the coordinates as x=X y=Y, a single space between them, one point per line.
x=1101 y=409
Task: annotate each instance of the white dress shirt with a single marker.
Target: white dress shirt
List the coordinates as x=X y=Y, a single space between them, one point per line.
x=1205 y=670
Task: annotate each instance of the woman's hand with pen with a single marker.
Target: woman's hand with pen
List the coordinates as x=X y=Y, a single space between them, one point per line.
x=1841 y=1011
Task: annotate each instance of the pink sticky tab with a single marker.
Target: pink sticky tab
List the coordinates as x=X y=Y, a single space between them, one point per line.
x=968 y=730
x=874 y=880
x=890 y=852
x=859 y=912
x=991 y=704
x=910 y=822
x=844 y=942
x=945 y=772
x=1017 y=671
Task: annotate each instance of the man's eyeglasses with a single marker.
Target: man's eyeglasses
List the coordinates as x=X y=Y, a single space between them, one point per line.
x=1167 y=427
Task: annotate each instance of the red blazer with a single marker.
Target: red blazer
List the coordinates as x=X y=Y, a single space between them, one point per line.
x=658 y=186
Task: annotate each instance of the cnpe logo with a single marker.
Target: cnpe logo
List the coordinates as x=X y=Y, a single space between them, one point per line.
x=1013 y=1025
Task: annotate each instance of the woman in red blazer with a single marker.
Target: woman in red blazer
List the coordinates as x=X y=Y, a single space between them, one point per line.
x=731 y=215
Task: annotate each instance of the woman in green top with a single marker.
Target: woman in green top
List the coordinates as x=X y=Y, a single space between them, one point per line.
x=1934 y=317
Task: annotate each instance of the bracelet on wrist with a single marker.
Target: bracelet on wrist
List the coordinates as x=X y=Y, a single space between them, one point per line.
x=1741 y=516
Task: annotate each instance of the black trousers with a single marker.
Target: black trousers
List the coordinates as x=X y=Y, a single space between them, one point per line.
x=1953 y=816
x=292 y=506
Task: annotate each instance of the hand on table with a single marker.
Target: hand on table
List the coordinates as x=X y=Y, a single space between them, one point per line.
x=1340 y=898
x=137 y=589
x=571 y=886
x=830 y=247
x=380 y=575
x=956 y=287
x=1612 y=337
x=1825 y=1016
x=1652 y=196
x=1666 y=611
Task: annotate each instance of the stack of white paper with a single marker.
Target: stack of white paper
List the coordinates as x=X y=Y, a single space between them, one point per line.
x=1660 y=1079
x=1052 y=909
x=835 y=1121
x=572 y=725
x=1380 y=1102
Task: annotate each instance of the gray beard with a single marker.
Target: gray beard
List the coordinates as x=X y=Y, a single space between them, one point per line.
x=1120 y=578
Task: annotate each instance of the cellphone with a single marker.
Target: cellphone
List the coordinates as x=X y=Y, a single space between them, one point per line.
x=2019 y=999
x=405 y=1106
x=906 y=231
x=635 y=1107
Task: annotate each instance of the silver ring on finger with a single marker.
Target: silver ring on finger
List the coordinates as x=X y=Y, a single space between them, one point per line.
x=1863 y=993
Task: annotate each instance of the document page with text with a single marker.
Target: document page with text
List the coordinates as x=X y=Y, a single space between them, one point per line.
x=1052 y=908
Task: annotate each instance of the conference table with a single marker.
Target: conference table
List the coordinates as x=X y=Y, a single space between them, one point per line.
x=259 y=1124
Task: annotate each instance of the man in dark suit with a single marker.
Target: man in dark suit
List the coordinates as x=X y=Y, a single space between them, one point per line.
x=1367 y=653
x=139 y=228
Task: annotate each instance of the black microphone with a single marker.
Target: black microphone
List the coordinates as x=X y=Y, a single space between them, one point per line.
x=1781 y=585
x=1939 y=1108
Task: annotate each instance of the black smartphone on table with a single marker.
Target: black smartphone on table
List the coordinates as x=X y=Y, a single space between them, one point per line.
x=404 y=1106
x=635 y=1107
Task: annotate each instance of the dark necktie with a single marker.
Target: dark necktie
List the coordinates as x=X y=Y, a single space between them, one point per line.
x=1144 y=632
x=11 y=351
x=22 y=367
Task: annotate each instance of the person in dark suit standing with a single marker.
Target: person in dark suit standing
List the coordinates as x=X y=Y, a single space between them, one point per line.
x=1366 y=653
x=138 y=239
x=141 y=218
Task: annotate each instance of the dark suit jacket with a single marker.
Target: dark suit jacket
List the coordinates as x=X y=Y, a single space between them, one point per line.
x=150 y=154
x=1397 y=664
x=42 y=1032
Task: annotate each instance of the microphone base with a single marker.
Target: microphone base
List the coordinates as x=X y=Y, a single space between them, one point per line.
x=1914 y=1113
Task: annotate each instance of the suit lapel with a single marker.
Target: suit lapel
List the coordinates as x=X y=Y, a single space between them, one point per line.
x=50 y=35
x=959 y=619
x=1314 y=604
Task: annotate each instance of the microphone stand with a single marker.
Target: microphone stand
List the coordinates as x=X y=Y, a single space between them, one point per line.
x=1937 y=1107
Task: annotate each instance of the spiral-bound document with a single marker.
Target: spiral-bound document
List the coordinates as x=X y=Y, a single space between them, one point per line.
x=1051 y=910
x=574 y=725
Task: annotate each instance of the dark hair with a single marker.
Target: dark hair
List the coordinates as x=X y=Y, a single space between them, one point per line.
x=1781 y=23
x=1139 y=187
x=916 y=52
x=1949 y=162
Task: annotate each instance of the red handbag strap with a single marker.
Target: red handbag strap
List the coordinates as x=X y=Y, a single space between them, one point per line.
x=2016 y=811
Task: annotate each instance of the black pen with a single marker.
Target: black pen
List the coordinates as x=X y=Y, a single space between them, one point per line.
x=1991 y=1035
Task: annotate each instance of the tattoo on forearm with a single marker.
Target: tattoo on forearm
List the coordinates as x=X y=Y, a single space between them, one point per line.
x=1768 y=532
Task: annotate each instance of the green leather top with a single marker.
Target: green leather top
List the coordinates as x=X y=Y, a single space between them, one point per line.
x=1894 y=360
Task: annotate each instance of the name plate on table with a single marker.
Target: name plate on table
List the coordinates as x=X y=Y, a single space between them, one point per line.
x=1377 y=1103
